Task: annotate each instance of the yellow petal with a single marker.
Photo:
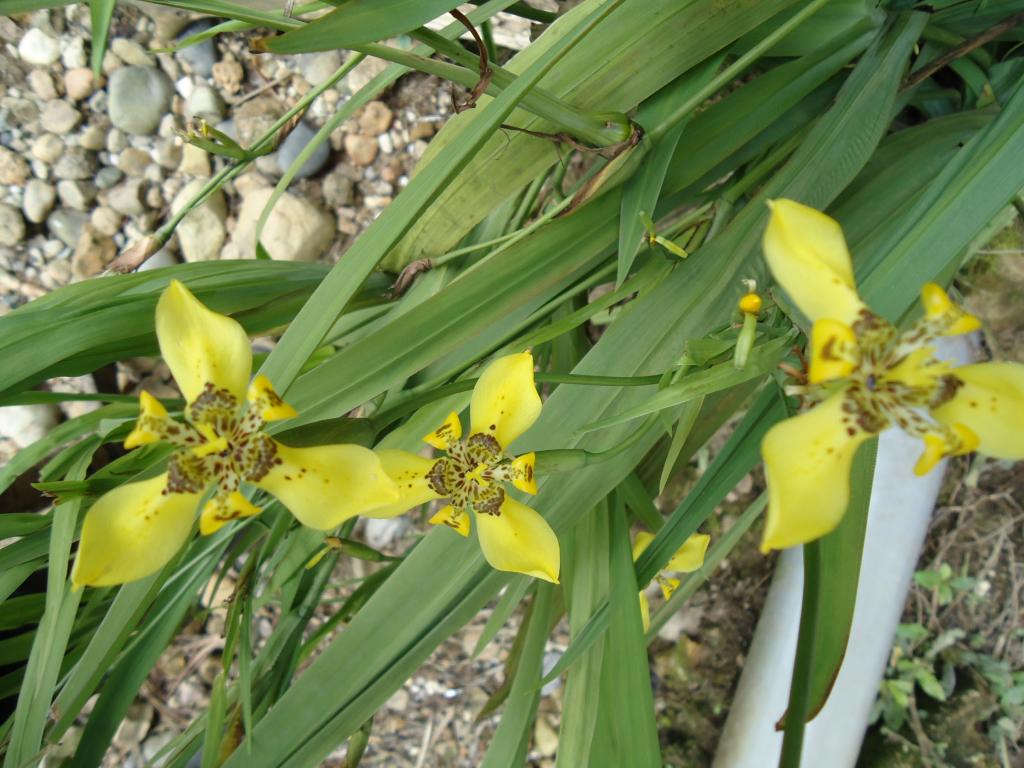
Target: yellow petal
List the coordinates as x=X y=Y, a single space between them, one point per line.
x=264 y=397
x=991 y=404
x=505 y=401
x=131 y=532
x=201 y=346
x=807 y=465
x=518 y=539
x=222 y=509
x=409 y=473
x=690 y=556
x=640 y=543
x=834 y=351
x=668 y=585
x=149 y=427
x=325 y=485
x=645 y=611
x=522 y=471
x=454 y=518
x=937 y=305
x=446 y=434
x=807 y=255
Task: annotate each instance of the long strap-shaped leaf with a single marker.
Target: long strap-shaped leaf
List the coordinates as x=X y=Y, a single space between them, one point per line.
x=327 y=302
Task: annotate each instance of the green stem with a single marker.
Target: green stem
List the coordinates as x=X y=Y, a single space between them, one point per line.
x=799 y=692
x=737 y=68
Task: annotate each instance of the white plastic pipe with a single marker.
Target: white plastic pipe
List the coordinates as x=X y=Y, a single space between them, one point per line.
x=900 y=509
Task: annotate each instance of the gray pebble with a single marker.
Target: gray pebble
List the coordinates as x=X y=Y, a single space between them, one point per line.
x=116 y=141
x=39 y=200
x=127 y=198
x=295 y=143
x=138 y=98
x=75 y=163
x=317 y=68
x=200 y=57
x=67 y=225
x=39 y=48
x=108 y=176
x=47 y=148
x=134 y=161
x=12 y=226
x=206 y=103
x=94 y=137
x=167 y=153
x=76 y=194
x=59 y=116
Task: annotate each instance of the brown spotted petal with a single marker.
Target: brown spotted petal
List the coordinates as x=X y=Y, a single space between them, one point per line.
x=325 y=485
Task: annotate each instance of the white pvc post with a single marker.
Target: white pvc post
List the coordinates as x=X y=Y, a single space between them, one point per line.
x=898 y=515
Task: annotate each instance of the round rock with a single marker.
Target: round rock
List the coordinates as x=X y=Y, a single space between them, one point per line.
x=296 y=229
x=201 y=233
x=78 y=83
x=39 y=200
x=38 y=48
x=67 y=225
x=12 y=226
x=200 y=57
x=294 y=144
x=75 y=163
x=206 y=103
x=59 y=116
x=13 y=167
x=138 y=98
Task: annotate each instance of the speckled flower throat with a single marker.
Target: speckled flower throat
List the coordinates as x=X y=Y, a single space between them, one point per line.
x=471 y=474
x=892 y=378
x=221 y=443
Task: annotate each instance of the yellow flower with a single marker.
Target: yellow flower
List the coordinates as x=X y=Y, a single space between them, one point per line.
x=688 y=558
x=474 y=471
x=867 y=376
x=137 y=528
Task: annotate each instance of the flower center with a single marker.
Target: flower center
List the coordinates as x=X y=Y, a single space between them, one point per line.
x=470 y=475
x=218 y=444
x=892 y=378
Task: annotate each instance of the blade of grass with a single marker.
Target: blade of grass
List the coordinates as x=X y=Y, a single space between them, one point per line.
x=51 y=639
x=512 y=737
x=100 y=12
x=626 y=703
x=586 y=578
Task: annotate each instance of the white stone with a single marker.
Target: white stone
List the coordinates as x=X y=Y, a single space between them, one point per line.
x=201 y=233
x=38 y=48
x=25 y=424
x=296 y=230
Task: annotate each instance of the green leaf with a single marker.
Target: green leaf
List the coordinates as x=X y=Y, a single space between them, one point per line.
x=100 y=12
x=51 y=639
x=512 y=737
x=626 y=707
x=641 y=191
x=359 y=21
x=586 y=578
